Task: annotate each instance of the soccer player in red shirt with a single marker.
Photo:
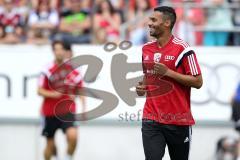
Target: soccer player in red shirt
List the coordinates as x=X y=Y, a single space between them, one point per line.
x=56 y=86
x=170 y=70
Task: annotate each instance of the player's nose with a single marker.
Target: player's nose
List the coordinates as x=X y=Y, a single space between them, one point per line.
x=149 y=24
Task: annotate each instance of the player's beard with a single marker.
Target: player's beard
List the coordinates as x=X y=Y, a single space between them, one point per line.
x=59 y=60
x=154 y=32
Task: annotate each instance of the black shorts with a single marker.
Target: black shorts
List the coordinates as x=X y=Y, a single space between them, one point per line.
x=51 y=124
x=156 y=136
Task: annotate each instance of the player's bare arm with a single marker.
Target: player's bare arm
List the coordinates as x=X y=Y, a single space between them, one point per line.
x=82 y=99
x=186 y=80
x=48 y=94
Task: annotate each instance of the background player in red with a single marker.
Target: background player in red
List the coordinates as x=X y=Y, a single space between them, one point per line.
x=170 y=70
x=50 y=78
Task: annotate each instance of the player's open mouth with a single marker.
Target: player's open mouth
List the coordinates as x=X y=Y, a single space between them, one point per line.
x=151 y=30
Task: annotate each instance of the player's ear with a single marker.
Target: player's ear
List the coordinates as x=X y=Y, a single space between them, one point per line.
x=167 y=23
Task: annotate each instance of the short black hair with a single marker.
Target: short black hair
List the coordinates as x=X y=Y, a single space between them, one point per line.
x=168 y=13
x=67 y=46
x=57 y=42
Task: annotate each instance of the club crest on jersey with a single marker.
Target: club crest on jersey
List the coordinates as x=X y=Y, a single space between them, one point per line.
x=157 y=57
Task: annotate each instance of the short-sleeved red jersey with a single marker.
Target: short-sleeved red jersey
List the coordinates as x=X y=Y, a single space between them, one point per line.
x=12 y=18
x=53 y=77
x=171 y=104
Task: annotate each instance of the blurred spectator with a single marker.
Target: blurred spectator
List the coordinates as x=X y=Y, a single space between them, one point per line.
x=66 y=6
x=119 y=6
x=152 y=3
x=100 y=36
x=236 y=22
x=137 y=32
x=54 y=4
x=226 y=148
x=235 y=103
x=106 y=18
x=87 y=5
x=22 y=7
x=11 y=24
x=187 y=19
x=42 y=23
x=1 y=6
x=218 y=17
x=75 y=24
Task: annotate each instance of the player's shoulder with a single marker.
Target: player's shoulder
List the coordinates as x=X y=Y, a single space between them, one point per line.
x=179 y=43
x=149 y=44
x=48 y=68
x=181 y=46
x=75 y=75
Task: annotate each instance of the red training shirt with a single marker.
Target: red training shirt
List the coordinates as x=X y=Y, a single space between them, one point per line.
x=53 y=77
x=168 y=101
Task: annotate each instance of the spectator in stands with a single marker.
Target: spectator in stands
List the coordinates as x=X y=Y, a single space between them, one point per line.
x=54 y=4
x=152 y=3
x=87 y=5
x=107 y=20
x=218 y=18
x=119 y=6
x=11 y=23
x=226 y=148
x=187 y=20
x=23 y=8
x=66 y=6
x=42 y=23
x=235 y=103
x=75 y=24
x=137 y=32
x=100 y=36
x=236 y=22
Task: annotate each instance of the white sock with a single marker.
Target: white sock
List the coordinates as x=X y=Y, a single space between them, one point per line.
x=238 y=158
x=68 y=157
x=55 y=158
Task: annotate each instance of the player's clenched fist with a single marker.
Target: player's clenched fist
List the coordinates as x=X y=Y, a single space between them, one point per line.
x=55 y=94
x=160 y=69
x=140 y=89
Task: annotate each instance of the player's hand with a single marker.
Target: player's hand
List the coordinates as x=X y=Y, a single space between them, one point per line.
x=160 y=69
x=55 y=94
x=140 y=89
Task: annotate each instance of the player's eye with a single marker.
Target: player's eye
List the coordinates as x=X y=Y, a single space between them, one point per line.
x=153 y=19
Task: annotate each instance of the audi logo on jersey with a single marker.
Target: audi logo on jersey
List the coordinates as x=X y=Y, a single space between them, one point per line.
x=169 y=58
